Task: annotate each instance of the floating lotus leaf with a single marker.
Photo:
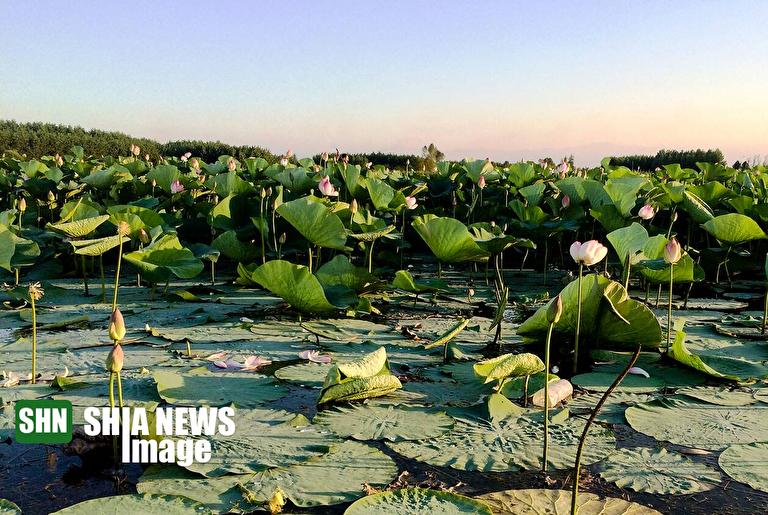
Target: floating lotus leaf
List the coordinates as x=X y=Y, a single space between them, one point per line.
x=733 y=229
x=438 y=394
x=692 y=423
x=508 y=365
x=9 y=508
x=165 y=257
x=216 y=388
x=404 y=281
x=747 y=464
x=656 y=471
x=417 y=501
x=295 y=284
x=557 y=502
x=368 y=376
x=719 y=395
x=264 y=439
x=79 y=228
x=608 y=316
x=333 y=478
x=315 y=222
x=147 y=504
x=613 y=409
x=304 y=374
x=601 y=381
x=99 y=246
x=449 y=239
x=391 y=423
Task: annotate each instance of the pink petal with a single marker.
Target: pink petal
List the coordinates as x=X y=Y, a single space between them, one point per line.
x=216 y=356
x=220 y=364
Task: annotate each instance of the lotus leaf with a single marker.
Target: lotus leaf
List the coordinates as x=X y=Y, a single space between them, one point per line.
x=747 y=464
x=294 y=284
x=368 y=376
x=165 y=257
x=449 y=239
x=391 y=423
x=732 y=229
x=417 y=501
x=508 y=365
x=216 y=388
x=79 y=228
x=557 y=502
x=318 y=224
x=99 y=246
x=147 y=504
x=404 y=281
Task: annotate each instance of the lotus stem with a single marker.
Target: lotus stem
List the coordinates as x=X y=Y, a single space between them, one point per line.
x=439 y=269
x=261 y=232
x=34 y=339
x=309 y=250
x=669 y=308
x=103 y=281
x=16 y=272
x=402 y=241
x=117 y=273
x=274 y=231
x=580 y=451
x=658 y=296
x=546 y=398
x=546 y=256
x=213 y=273
x=578 y=323
x=167 y=284
x=189 y=348
x=370 y=256
x=765 y=310
x=525 y=390
x=119 y=390
x=85 y=273
x=525 y=256
x=112 y=406
x=628 y=272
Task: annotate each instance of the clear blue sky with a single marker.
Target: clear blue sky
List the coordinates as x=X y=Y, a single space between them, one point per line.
x=505 y=80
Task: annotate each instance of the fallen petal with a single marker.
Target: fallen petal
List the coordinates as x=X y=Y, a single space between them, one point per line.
x=639 y=372
x=216 y=356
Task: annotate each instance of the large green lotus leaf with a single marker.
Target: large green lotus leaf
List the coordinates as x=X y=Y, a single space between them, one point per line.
x=232 y=212
x=558 y=502
x=697 y=208
x=317 y=223
x=608 y=316
x=719 y=395
x=333 y=478
x=294 y=284
x=508 y=365
x=231 y=246
x=219 y=494
x=613 y=409
x=494 y=241
x=747 y=464
x=656 y=270
x=476 y=167
x=163 y=175
x=722 y=367
x=361 y=388
x=601 y=381
x=106 y=177
x=628 y=242
x=98 y=246
x=365 y=422
x=404 y=281
x=339 y=271
x=164 y=257
x=146 y=504
x=25 y=252
x=623 y=193
x=713 y=193
x=9 y=508
x=310 y=374
x=264 y=439
x=449 y=239
x=656 y=471
x=79 y=228
x=688 y=422
x=230 y=183
x=216 y=388
x=7 y=248
x=417 y=501
x=733 y=229
x=147 y=216
x=381 y=193
x=507 y=444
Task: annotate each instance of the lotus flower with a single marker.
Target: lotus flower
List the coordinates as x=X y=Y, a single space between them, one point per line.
x=646 y=212
x=566 y=201
x=116 y=325
x=410 y=203
x=22 y=204
x=176 y=187
x=195 y=164
x=326 y=188
x=184 y=159
x=135 y=150
x=284 y=162
x=115 y=359
x=314 y=356
x=231 y=165
x=481 y=182
x=59 y=160
x=324 y=157
x=251 y=363
x=188 y=155
x=289 y=154
x=588 y=253
x=672 y=252
x=563 y=168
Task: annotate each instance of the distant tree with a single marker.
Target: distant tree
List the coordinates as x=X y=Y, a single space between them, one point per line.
x=431 y=156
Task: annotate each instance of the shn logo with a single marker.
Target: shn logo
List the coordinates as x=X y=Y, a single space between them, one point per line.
x=43 y=421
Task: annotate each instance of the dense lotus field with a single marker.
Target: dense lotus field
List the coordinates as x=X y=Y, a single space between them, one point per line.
x=392 y=342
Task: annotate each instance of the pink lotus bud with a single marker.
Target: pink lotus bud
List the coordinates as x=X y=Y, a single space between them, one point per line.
x=672 y=252
x=315 y=168
x=188 y=155
x=115 y=359
x=22 y=204
x=184 y=159
x=326 y=188
x=563 y=168
x=410 y=203
x=143 y=236
x=146 y=157
x=283 y=162
x=289 y=154
x=588 y=253
x=324 y=157
x=646 y=212
x=59 y=160
x=231 y=165
x=195 y=164
x=116 y=325
x=136 y=150
x=354 y=206
x=481 y=182
x=555 y=310
x=176 y=187
x=566 y=201
x=51 y=196
x=283 y=237
x=263 y=193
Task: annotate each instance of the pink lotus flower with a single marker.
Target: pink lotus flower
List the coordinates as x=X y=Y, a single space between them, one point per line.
x=314 y=356
x=672 y=252
x=588 y=253
x=59 y=160
x=646 y=212
x=563 y=168
x=251 y=363
x=231 y=165
x=324 y=157
x=326 y=188
x=188 y=155
x=146 y=157
x=284 y=162
x=566 y=201
x=216 y=356
x=135 y=150
x=481 y=182
x=176 y=187
x=410 y=203
x=184 y=159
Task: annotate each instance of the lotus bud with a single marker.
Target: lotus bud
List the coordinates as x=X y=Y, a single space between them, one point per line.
x=136 y=150
x=672 y=252
x=188 y=155
x=504 y=229
x=116 y=325
x=184 y=159
x=215 y=199
x=555 y=310
x=115 y=359
x=588 y=253
x=324 y=157
x=493 y=224
x=674 y=216
x=354 y=206
x=283 y=237
x=59 y=160
x=146 y=157
x=289 y=154
x=263 y=193
x=559 y=391
x=195 y=164
x=231 y=165
x=143 y=237
x=269 y=191
x=646 y=212
x=566 y=202
x=154 y=183
x=481 y=182
x=283 y=162
x=22 y=204
x=315 y=168
x=51 y=196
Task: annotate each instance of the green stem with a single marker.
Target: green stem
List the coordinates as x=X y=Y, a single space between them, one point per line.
x=85 y=273
x=765 y=311
x=370 y=256
x=628 y=271
x=103 y=281
x=189 y=349
x=546 y=398
x=546 y=255
x=580 y=451
x=119 y=390
x=439 y=269
x=578 y=323
x=34 y=339
x=669 y=308
x=309 y=249
x=117 y=273
x=112 y=405
x=261 y=232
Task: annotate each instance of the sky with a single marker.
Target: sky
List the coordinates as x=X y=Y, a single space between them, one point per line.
x=505 y=80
